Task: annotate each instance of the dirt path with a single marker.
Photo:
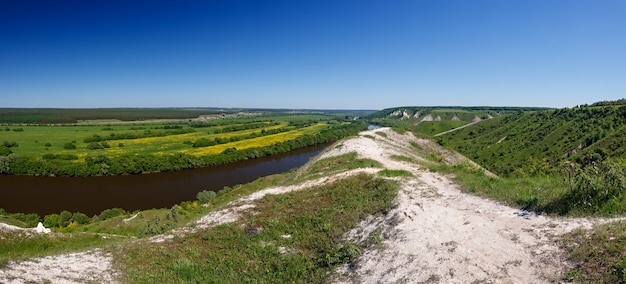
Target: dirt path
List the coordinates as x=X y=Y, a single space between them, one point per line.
x=436 y=234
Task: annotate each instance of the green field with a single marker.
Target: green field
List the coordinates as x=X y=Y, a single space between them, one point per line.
x=104 y=147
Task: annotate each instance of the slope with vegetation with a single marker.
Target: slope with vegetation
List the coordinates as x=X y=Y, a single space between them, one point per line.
x=433 y=120
x=530 y=143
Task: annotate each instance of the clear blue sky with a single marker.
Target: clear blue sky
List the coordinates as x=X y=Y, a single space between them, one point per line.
x=311 y=54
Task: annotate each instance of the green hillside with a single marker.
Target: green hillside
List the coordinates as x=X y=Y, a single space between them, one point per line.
x=434 y=120
x=538 y=142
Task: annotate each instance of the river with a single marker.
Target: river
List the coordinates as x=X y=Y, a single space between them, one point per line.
x=91 y=195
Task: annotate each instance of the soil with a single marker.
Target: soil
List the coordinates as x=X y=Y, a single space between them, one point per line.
x=436 y=233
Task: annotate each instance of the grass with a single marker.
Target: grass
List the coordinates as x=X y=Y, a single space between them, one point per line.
x=18 y=245
x=343 y=162
x=599 y=255
x=395 y=173
x=292 y=238
x=539 y=193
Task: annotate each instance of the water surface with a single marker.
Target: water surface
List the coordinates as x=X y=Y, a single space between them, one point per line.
x=91 y=195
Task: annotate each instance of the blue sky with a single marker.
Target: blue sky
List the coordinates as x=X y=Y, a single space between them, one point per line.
x=319 y=54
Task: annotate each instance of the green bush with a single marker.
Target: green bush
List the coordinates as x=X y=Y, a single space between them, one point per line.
x=594 y=185
x=51 y=220
x=5 y=151
x=205 y=195
x=69 y=146
x=10 y=144
x=110 y=213
x=65 y=218
x=80 y=218
x=30 y=220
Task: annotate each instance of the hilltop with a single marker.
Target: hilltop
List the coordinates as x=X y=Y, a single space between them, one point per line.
x=414 y=224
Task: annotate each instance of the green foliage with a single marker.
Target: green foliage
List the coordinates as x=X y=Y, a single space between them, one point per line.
x=10 y=144
x=69 y=146
x=598 y=188
x=205 y=195
x=5 y=151
x=80 y=218
x=154 y=227
x=30 y=220
x=65 y=218
x=110 y=213
x=51 y=220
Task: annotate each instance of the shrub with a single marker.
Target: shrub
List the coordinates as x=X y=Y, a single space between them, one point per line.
x=205 y=195
x=30 y=220
x=69 y=146
x=10 y=144
x=65 y=218
x=80 y=218
x=173 y=214
x=95 y=146
x=51 y=220
x=5 y=151
x=110 y=213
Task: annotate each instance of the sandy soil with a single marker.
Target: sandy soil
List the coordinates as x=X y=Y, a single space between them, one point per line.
x=435 y=234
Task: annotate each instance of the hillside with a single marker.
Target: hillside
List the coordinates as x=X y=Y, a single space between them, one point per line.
x=538 y=142
x=372 y=208
x=433 y=120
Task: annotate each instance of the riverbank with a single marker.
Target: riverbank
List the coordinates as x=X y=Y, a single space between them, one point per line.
x=434 y=232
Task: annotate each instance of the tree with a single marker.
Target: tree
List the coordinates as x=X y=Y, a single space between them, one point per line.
x=80 y=218
x=65 y=218
x=51 y=220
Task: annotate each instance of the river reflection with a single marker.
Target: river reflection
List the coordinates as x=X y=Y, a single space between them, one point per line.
x=91 y=195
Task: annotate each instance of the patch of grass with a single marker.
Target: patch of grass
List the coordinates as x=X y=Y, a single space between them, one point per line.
x=344 y=162
x=537 y=193
x=17 y=245
x=383 y=134
x=599 y=255
x=395 y=173
x=416 y=145
x=369 y=136
x=295 y=237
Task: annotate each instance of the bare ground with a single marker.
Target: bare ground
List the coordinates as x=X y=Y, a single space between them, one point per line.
x=435 y=234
